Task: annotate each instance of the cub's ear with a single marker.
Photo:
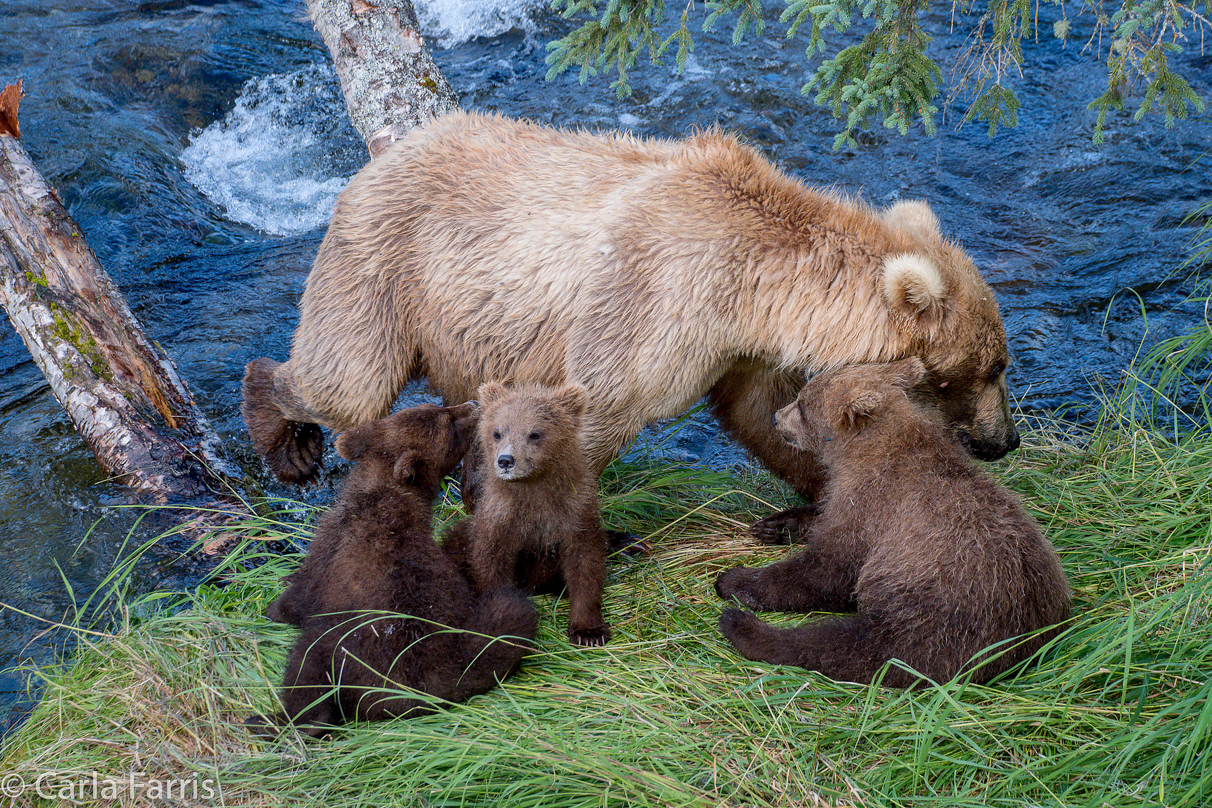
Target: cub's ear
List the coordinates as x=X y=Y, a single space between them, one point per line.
x=407 y=467
x=491 y=392
x=908 y=372
x=914 y=287
x=572 y=398
x=353 y=444
x=913 y=216
x=859 y=409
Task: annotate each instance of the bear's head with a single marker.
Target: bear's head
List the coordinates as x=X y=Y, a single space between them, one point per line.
x=937 y=297
x=530 y=431
x=415 y=447
x=837 y=405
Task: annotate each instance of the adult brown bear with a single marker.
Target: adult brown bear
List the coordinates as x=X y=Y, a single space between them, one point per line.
x=480 y=248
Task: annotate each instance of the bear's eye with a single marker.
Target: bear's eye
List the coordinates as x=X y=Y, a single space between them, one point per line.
x=535 y=437
x=496 y=434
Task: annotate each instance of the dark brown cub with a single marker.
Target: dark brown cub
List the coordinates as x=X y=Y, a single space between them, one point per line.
x=390 y=625
x=938 y=560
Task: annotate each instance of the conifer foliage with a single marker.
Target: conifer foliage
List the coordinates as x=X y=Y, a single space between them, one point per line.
x=887 y=74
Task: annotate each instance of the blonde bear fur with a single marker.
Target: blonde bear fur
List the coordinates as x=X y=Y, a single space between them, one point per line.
x=652 y=272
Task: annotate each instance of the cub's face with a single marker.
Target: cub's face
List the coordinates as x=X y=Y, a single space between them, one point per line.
x=530 y=431
x=841 y=403
x=420 y=445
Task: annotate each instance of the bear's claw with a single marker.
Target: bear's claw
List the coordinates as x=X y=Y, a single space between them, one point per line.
x=627 y=545
x=589 y=637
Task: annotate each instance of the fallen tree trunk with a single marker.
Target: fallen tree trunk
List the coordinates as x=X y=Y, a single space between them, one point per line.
x=389 y=80
x=121 y=391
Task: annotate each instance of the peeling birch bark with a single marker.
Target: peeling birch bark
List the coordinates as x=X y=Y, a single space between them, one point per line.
x=121 y=392
x=388 y=76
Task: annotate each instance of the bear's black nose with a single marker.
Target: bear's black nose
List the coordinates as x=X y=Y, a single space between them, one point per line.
x=774 y=418
x=505 y=462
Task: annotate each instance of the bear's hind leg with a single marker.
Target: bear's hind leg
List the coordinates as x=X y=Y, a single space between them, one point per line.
x=813 y=580
x=849 y=649
x=744 y=401
x=290 y=443
x=309 y=698
x=494 y=641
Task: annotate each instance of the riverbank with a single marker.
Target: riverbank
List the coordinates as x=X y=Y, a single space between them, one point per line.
x=1116 y=713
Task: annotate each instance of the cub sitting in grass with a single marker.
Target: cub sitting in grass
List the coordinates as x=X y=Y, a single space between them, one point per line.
x=381 y=607
x=536 y=522
x=938 y=560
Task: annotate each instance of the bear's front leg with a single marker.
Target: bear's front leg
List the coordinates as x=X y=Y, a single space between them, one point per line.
x=308 y=691
x=848 y=649
x=744 y=401
x=584 y=569
x=754 y=639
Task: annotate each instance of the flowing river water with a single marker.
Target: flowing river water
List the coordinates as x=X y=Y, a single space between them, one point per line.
x=200 y=146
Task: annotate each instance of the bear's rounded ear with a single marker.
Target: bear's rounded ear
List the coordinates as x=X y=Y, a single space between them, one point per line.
x=908 y=372
x=572 y=398
x=353 y=444
x=860 y=408
x=407 y=467
x=491 y=392
x=913 y=216
x=914 y=287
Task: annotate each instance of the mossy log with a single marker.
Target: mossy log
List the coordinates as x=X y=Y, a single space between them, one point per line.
x=120 y=390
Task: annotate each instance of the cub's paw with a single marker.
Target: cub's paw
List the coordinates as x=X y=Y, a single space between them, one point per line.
x=744 y=631
x=591 y=637
x=627 y=545
x=740 y=583
x=738 y=621
x=785 y=527
x=275 y=613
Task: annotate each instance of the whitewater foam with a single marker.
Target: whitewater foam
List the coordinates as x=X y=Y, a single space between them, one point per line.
x=451 y=22
x=279 y=158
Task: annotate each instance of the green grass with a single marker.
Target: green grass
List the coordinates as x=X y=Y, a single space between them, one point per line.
x=1116 y=713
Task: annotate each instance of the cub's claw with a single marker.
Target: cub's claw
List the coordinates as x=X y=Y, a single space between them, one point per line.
x=785 y=527
x=589 y=637
x=627 y=545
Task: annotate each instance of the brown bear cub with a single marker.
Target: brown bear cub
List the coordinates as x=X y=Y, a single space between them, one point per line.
x=536 y=523
x=382 y=607
x=936 y=558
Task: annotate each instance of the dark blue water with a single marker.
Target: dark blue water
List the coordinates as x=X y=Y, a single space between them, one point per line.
x=200 y=144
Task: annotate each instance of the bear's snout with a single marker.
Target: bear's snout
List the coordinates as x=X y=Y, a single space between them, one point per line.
x=505 y=462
